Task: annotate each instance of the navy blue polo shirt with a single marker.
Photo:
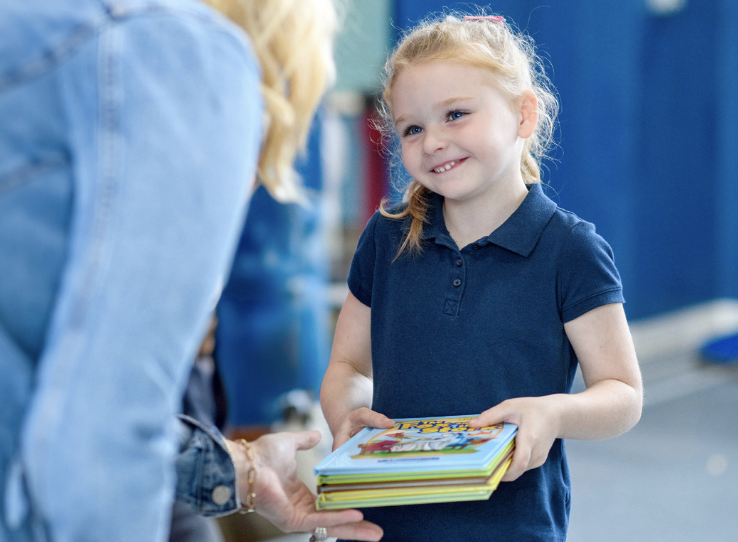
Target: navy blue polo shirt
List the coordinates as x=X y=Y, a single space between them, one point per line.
x=456 y=331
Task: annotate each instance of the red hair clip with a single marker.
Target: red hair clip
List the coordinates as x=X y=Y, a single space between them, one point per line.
x=493 y=18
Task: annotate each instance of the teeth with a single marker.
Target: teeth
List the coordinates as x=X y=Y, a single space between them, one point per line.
x=444 y=168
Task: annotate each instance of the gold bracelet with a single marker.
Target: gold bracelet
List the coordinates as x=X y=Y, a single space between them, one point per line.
x=248 y=506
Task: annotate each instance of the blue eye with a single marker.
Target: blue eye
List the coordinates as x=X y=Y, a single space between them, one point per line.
x=453 y=115
x=412 y=130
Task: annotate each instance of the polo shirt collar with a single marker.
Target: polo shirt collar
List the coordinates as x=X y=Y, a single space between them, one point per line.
x=519 y=233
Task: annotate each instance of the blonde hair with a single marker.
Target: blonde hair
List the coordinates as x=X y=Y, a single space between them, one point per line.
x=293 y=42
x=489 y=44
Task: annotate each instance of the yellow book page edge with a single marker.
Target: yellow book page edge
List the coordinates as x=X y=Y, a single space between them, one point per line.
x=373 y=498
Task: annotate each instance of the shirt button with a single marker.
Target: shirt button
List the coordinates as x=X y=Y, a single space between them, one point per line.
x=475 y=247
x=459 y=262
x=221 y=495
x=457 y=282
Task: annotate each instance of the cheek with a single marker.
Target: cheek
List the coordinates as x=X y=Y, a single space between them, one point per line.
x=408 y=156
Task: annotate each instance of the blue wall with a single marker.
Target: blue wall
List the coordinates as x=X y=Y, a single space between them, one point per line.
x=648 y=136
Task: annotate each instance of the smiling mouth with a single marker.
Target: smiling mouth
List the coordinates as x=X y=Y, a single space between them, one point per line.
x=448 y=165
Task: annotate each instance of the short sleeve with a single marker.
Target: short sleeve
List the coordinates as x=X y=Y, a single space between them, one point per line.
x=361 y=273
x=587 y=276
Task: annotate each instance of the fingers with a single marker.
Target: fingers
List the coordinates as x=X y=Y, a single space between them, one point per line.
x=305 y=440
x=358 y=420
x=530 y=453
x=535 y=434
x=332 y=518
x=365 y=417
x=520 y=462
x=359 y=531
x=492 y=416
x=496 y=415
x=348 y=524
x=355 y=430
x=339 y=440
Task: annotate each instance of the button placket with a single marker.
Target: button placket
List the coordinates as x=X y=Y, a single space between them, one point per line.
x=457 y=276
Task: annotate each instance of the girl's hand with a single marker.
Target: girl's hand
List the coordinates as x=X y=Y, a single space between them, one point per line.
x=283 y=499
x=537 y=430
x=357 y=420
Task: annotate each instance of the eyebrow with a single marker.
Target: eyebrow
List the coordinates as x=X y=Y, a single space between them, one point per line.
x=440 y=105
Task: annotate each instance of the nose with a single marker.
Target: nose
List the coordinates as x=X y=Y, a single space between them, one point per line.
x=433 y=140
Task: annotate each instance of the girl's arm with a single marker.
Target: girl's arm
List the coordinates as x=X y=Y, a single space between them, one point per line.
x=346 y=393
x=610 y=405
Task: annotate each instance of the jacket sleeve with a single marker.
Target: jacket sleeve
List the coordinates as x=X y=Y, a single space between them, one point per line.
x=164 y=117
x=206 y=476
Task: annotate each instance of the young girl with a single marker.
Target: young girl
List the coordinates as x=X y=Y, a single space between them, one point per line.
x=478 y=294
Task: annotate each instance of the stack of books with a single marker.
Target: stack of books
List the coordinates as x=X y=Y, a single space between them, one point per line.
x=419 y=460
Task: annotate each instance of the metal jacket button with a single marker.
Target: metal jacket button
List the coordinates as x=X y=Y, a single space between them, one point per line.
x=221 y=495
x=457 y=282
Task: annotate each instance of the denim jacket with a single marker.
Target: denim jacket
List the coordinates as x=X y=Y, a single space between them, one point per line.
x=206 y=476
x=129 y=134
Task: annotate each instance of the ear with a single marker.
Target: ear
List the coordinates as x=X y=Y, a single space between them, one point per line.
x=528 y=114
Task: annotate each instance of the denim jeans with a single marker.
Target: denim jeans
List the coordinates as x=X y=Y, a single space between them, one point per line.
x=129 y=134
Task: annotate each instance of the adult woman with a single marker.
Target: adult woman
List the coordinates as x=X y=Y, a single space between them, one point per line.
x=129 y=137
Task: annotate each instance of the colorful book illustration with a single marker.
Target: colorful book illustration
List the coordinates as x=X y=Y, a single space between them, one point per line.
x=419 y=460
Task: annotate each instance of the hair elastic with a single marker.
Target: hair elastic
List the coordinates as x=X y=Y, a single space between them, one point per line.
x=492 y=18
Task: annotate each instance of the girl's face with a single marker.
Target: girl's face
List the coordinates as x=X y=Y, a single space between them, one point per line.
x=461 y=137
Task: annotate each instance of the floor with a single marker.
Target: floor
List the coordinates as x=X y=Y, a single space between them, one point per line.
x=674 y=477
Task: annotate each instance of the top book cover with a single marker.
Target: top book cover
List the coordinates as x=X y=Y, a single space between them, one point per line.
x=416 y=445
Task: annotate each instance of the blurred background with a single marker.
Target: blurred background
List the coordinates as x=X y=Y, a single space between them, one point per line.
x=648 y=151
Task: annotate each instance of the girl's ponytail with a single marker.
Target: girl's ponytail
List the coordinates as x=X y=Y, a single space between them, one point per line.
x=417 y=207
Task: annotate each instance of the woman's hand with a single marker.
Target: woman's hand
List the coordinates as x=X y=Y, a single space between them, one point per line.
x=537 y=430
x=357 y=420
x=283 y=499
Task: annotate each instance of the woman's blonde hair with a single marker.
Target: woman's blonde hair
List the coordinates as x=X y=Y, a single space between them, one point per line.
x=486 y=43
x=293 y=42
